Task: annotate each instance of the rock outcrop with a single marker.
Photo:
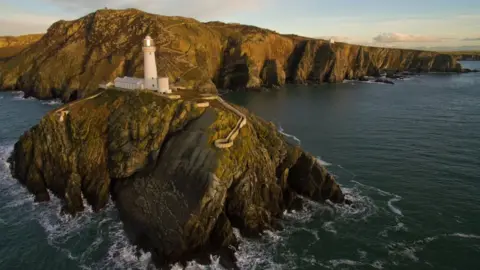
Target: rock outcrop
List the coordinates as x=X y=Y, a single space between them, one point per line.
x=73 y=57
x=178 y=195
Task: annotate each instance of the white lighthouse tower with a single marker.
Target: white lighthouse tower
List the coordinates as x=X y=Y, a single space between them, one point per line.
x=150 y=67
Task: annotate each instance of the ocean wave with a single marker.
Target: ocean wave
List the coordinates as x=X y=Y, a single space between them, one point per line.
x=378 y=264
x=398 y=227
x=409 y=250
x=214 y=265
x=367 y=82
x=322 y=162
x=463 y=235
x=338 y=262
x=328 y=227
x=53 y=102
x=92 y=232
x=361 y=208
x=309 y=210
x=394 y=209
x=257 y=253
x=395 y=198
x=282 y=131
x=19 y=95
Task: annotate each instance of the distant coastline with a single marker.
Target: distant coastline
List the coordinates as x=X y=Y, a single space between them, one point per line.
x=74 y=57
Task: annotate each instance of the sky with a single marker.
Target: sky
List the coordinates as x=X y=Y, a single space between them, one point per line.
x=438 y=24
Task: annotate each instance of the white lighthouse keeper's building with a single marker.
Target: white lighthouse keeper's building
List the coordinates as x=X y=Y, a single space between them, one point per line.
x=149 y=65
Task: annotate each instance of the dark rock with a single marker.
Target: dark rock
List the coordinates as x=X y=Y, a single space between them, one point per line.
x=395 y=77
x=384 y=81
x=178 y=196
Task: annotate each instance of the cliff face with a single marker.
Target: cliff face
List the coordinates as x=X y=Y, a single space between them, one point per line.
x=10 y=46
x=75 y=56
x=178 y=194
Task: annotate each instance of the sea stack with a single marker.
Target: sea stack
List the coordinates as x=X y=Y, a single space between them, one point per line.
x=179 y=195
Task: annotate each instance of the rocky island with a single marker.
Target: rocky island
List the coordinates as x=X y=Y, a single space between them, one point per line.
x=180 y=180
x=74 y=57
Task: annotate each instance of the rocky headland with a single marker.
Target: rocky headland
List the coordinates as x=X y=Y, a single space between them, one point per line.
x=73 y=57
x=179 y=186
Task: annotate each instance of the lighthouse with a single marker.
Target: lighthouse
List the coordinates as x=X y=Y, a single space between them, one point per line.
x=149 y=65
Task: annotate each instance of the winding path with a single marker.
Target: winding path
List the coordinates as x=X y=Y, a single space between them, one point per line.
x=227 y=142
x=63 y=112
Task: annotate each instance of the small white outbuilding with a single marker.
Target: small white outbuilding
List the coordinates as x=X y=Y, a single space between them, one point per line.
x=129 y=83
x=163 y=85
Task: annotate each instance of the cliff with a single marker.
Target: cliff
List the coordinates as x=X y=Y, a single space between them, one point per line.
x=178 y=194
x=73 y=57
x=10 y=46
x=466 y=56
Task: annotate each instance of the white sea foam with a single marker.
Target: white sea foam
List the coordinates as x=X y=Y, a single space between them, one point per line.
x=361 y=209
x=53 y=102
x=362 y=254
x=379 y=191
x=367 y=82
x=20 y=97
x=399 y=227
x=409 y=249
x=322 y=162
x=282 y=131
x=394 y=209
x=258 y=253
x=64 y=232
x=463 y=235
x=336 y=263
x=328 y=227
x=378 y=264
x=214 y=265
x=395 y=198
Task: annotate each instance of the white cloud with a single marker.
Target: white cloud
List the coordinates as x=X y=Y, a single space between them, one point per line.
x=399 y=37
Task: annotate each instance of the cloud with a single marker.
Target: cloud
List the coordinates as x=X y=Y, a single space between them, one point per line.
x=471 y=39
x=398 y=37
x=205 y=9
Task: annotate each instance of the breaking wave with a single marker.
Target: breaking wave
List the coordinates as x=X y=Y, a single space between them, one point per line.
x=93 y=240
x=282 y=131
x=53 y=102
x=322 y=162
x=19 y=95
x=462 y=235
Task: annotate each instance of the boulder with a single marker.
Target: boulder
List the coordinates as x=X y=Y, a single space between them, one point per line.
x=380 y=80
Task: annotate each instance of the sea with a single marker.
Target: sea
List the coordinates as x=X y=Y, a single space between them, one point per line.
x=407 y=156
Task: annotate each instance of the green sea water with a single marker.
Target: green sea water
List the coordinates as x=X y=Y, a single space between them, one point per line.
x=407 y=155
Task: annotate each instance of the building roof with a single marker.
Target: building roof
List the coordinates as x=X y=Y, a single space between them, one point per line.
x=129 y=80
